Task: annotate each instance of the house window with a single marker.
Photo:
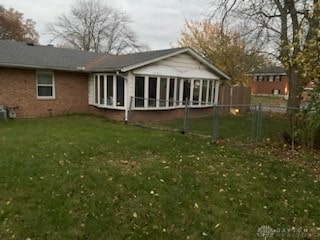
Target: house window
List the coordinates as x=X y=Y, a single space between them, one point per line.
x=271 y=78
x=139 y=92
x=120 y=91
x=45 y=84
x=168 y=92
x=186 y=90
x=196 y=92
x=275 y=91
x=152 y=91
x=163 y=92
x=102 y=90
x=109 y=90
x=259 y=78
x=204 y=94
x=173 y=83
x=277 y=78
x=96 y=89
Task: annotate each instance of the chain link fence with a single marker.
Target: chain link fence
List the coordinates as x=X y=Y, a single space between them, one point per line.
x=244 y=123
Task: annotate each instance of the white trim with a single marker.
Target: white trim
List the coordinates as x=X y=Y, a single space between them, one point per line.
x=175 y=92
x=114 y=92
x=191 y=92
x=168 y=92
x=146 y=91
x=181 y=91
x=158 y=92
x=105 y=90
x=200 y=92
x=216 y=92
x=208 y=89
x=172 y=107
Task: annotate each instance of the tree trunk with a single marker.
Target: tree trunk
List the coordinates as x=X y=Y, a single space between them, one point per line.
x=295 y=89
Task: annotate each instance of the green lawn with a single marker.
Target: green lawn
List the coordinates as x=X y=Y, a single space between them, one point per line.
x=277 y=101
x=83 y=177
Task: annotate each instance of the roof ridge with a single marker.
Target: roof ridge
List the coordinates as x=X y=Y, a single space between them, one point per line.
x=153 y=51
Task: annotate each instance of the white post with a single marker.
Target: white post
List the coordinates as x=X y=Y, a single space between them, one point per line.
x=216 y=91
x=146 y=91
x=158 y=93
x=167 y=92
x=191 y=92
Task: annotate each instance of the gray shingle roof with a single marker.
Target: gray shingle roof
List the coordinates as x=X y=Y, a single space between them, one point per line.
x=122 y=61
x=18 y=54
x=270 y=70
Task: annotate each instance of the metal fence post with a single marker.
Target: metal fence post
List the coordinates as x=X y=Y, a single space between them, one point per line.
x=186 y=116
x=215 y=130
x=259 y=123
x=256 y=125
x=253 y=124
x=130 y=109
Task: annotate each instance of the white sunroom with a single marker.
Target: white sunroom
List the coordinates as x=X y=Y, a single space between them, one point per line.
x=161 y=83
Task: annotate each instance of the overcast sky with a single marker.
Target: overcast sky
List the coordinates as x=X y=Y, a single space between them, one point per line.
x=156 y=22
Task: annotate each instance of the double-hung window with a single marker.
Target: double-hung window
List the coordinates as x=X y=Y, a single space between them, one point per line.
x=45 y=84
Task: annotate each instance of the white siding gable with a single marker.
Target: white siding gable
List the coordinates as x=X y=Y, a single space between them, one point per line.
x=182 y=65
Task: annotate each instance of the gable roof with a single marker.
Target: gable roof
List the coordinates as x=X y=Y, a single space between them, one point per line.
x=16 y=54
x=132 y=61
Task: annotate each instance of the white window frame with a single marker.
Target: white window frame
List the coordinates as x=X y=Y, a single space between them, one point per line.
x=47 y=72
x=211 y=86
x=114 y=86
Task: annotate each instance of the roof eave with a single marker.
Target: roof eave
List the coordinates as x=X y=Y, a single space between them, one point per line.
x=97 y=70
x=208 y=64
x=141 y=64
x=8 y=65
x=179 y=51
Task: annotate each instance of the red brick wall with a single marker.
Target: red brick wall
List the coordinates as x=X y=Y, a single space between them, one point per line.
x=266 y=87
x=18 y=89
x=112 y=114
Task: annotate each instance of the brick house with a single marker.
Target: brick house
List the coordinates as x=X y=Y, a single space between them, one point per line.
x=40 y=81
x=269 y=81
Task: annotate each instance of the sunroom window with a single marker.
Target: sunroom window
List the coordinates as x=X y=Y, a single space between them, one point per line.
x=109 y=90
x=168 y=92
x=139 y=91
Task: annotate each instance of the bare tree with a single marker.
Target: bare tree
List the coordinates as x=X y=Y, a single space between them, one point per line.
x=94 y=26
x=283 y=27
x=14 y=27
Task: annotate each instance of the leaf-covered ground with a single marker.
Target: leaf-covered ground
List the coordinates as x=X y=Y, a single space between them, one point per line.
x=82 y=177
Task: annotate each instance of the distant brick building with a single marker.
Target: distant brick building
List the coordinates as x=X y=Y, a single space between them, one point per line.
x=270 y=81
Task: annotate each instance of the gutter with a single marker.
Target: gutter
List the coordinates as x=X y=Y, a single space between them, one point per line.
x=78 y=69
